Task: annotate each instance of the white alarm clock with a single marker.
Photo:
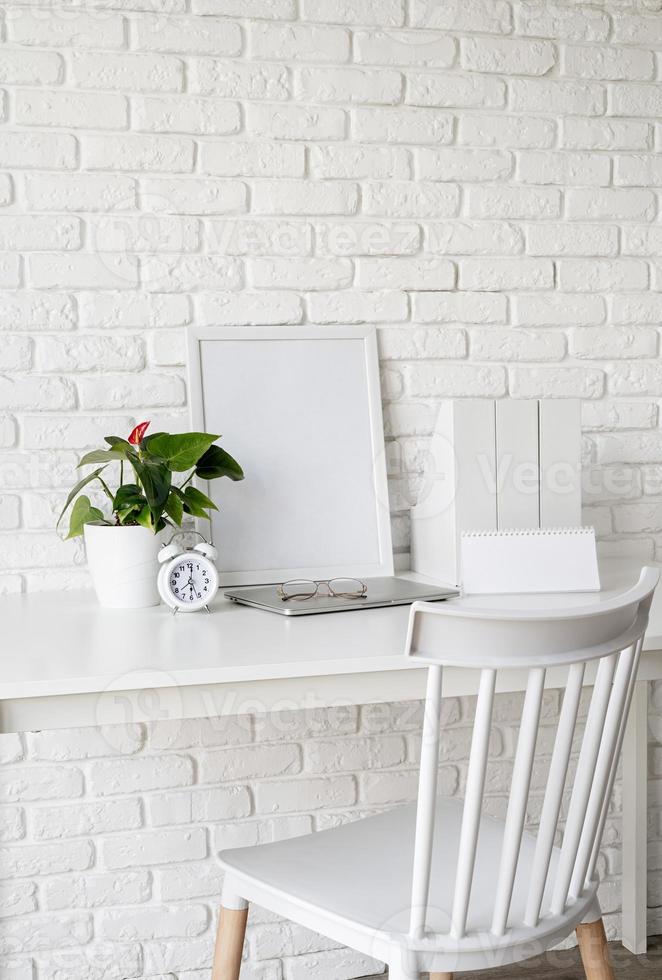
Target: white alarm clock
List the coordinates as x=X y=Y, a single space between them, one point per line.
x=188 y=578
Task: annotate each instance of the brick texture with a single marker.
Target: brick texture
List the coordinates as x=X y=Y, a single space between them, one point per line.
x=128 y=873
x=481 y=180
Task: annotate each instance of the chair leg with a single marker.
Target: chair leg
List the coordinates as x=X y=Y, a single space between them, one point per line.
x=229 y=944
x=594 y=951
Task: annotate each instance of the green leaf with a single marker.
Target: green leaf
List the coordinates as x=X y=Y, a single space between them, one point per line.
x=182 y=451
x=191 y=502
x=201 y=499
x=155 y=478
x=190 y=505
x=83 y=513
x=129 y=495
x=128 y=501
x=116 y=443
x=174 y=508
x=77 y=489
x=102 y=456
x=146 y=441
x=144 y=518
x=216 y=463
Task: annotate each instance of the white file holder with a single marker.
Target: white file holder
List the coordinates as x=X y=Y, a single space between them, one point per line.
x=524 y=561
x=494 y=464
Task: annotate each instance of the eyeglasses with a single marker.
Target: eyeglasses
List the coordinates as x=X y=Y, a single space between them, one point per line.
x=338 y=588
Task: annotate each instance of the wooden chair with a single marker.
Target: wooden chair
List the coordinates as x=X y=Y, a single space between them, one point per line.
x=438 y=886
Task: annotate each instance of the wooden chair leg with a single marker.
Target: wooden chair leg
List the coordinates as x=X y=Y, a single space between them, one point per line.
x=229 y=944
x=594 y=951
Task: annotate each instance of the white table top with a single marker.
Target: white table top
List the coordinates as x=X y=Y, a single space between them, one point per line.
x=64 y=643
x=63 y=659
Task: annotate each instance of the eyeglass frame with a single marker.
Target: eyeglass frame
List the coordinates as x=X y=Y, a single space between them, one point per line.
x=362 y=594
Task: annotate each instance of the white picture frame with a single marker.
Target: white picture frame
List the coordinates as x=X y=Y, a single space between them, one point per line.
x=300 y=408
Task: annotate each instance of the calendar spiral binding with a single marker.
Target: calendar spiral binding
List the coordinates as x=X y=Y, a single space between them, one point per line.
x=529 y=532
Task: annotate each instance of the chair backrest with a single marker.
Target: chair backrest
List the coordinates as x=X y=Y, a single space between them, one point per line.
x=599 y=643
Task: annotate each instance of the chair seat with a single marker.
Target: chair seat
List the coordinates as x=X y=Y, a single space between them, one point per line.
x=361 y=873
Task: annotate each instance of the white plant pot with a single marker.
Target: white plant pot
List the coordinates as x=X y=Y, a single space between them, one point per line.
x=123 y=565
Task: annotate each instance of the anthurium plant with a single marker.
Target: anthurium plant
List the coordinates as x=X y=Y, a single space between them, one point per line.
x=150 y=464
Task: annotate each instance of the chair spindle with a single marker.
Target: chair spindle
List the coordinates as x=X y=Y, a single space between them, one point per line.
x=551 y=809
x=602 y=770
x=426 y=807
x=614 y=766
x=473 y=802
x=519 y=796
x=583 y=779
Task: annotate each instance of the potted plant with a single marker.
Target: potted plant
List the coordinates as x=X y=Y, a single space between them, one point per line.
x=122 y=544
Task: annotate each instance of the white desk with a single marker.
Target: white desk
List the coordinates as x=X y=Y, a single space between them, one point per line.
x=66 y=663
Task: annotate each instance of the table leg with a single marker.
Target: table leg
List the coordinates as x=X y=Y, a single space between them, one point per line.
x=635 y=825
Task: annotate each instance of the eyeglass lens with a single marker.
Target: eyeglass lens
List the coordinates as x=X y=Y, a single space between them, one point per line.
x=342 y=588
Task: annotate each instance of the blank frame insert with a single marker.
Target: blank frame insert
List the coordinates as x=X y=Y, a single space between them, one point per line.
x=300 y=409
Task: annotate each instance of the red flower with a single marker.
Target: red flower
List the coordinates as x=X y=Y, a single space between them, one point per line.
x=136 y=436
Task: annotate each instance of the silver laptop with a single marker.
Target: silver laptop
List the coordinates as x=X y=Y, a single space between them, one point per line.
x=388 y=591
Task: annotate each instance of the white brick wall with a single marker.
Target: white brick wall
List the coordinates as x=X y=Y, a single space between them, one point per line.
x=482 y=181
x=109 y=836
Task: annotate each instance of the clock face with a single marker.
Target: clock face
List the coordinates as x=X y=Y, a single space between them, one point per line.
x=191 y=580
